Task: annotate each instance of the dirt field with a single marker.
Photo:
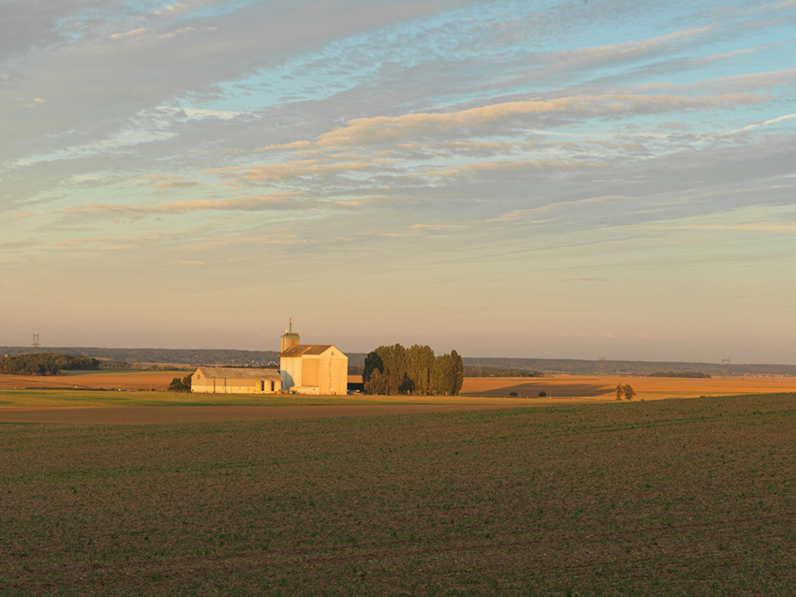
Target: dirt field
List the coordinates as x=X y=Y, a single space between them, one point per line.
x=663 y=497
x=148 y=415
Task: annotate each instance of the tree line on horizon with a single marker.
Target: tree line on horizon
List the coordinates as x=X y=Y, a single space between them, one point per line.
x=45 y=363
x=393 y=370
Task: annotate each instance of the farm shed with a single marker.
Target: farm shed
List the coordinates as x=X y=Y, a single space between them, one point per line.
x=312 y=368
x=235 y=380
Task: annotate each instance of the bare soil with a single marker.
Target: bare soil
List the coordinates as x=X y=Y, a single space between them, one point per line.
x=665 y=497
x=147 y=415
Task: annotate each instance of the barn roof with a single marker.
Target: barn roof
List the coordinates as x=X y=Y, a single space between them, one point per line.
x=298 y=350
x=239 y=373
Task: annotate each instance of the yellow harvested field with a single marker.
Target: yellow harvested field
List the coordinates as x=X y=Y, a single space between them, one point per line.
x=600 y=388
x=497 y=389
x=133 y=380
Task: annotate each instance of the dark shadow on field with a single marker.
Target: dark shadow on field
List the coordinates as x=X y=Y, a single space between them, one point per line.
x=532 y=390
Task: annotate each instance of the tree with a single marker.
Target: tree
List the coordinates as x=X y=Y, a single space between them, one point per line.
x=458 y=372
x=395 y=369
x=448 y=374
x=377 y=383
x=627 y=391
x=373 y=363
x=420 y=362
x=180 y=385
x=45 y=363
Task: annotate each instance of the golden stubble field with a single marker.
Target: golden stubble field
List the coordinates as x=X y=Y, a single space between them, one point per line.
x=601 y=388
x=110 y=380
x=581 y=387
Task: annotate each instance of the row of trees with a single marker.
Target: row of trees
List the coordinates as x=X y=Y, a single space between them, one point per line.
x=479 y=371
x=416 y=370
x=685 y=374
x=45 y=363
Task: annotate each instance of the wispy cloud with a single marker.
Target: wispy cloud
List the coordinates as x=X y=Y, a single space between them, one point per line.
x=366 y=131
x=518 y=214
x=762 y=124
x=277 y=201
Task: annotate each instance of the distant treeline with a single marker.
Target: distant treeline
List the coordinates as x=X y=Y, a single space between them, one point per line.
x=260 y=358
x=608 y=367
x=112 y=364
x=472 y=372
x=238 y=358
x=45 y=364
x=499 y=372
x=688 y=374
x=395 y=370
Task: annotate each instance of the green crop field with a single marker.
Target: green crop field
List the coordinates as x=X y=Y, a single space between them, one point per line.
x=671 y=497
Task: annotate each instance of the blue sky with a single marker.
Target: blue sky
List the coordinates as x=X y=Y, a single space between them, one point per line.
x=542 y=179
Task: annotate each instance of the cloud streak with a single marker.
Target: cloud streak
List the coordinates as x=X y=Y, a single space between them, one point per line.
x=367 y=131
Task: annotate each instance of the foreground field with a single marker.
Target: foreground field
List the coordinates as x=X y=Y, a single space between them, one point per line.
x=665 y=497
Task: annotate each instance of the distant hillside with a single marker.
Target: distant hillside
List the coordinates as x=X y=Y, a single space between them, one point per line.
x=162 y=355
x=585 y=367
x=263 y=357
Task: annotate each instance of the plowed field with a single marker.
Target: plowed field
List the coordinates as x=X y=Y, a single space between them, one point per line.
x=662 y=497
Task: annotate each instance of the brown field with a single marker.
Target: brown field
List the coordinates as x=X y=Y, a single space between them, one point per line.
x=662 y=497
x=149 y=415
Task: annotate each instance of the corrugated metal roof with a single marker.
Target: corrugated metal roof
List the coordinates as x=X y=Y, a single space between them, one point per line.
x=301 y=349
x=239 y=373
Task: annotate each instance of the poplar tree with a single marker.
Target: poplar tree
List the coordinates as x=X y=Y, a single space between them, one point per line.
x=373 y=363
x=448 y=374
x=420 y=361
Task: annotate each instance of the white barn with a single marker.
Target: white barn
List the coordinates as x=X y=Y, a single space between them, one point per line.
x=312 y=368
x=235 y=380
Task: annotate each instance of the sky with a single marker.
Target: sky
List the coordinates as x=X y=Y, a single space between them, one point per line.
x=547 y=179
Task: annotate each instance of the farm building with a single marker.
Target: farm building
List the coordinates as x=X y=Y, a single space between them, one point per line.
x=235 y=380
x=312 y=368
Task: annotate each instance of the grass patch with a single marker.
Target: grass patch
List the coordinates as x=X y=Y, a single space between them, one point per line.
x=83 y=397
x=671 y=497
